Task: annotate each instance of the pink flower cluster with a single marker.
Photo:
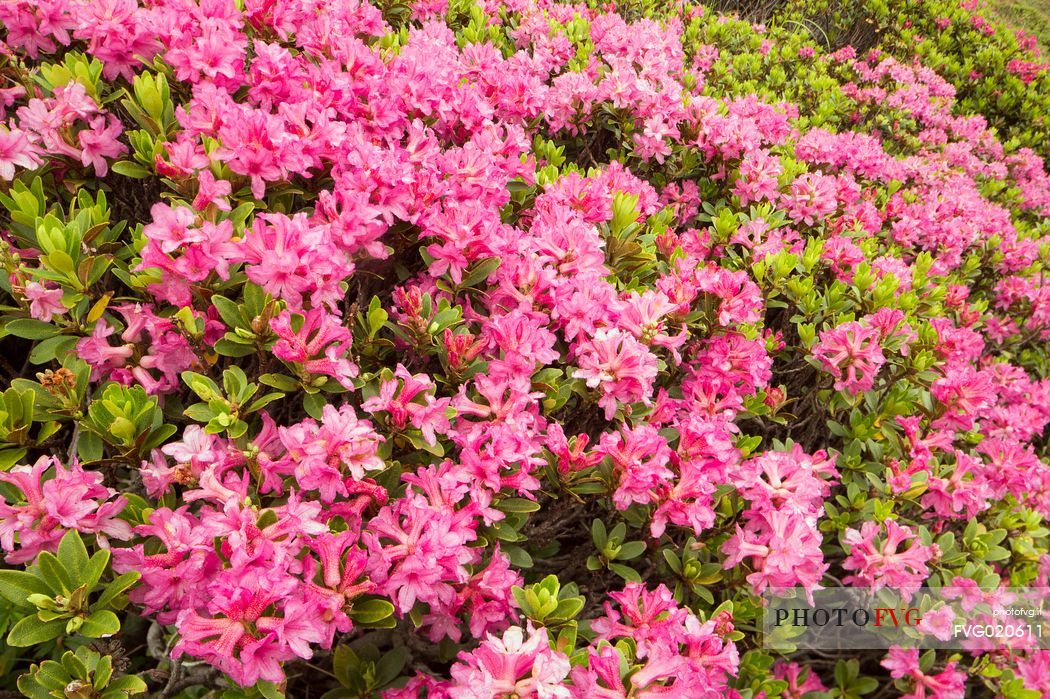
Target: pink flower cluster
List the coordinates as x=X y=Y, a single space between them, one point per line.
x=887 y=555
x=70 y=126
x=949 y=683
x=852 y=354
x=785 y=493
x=616 y=330
x=674 y=652
x=55 y=499
x=153 y=353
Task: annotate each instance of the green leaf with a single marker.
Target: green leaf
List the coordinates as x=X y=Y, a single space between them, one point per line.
x=280 y=382
x=865 y=685
x=599 y=533
x=481 y=272
x=377 y=318
x=92 y=571
x=17 y=585
x=269 y=690
x=100 y=624
x=199 y=412
x=233 y=349
x=228 y=311
x=54 y=574
x=128 y=684
x=89 y=446
x=74 y=665
x=201 y=385
x=996 y=553
x=262 y=402
x=314 y=404
x=569 y=608
x=370 y=611
x=30 y=631
x=590 y=488
x=672 y=561
x=103 y=672
x=518 y=505
x=631 y=550
x=130 y=169
x=120 y=584
x=390 y=666
x=10 y=457
x=344 y=662
x=235 y=382
x=72 y=553
x=51 y=348
x=30 y=329
x=29 y=687
x=518 y=556
x=239 y=216
x=629 y=574
x=158 y=436
x=50 y=674
x=845 y=672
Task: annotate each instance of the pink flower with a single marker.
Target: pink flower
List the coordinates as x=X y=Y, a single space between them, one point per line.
x=938 y=622
x=522 y=337
x=645 y=317
x=949 y=683
x=758 y=178
x=898 y=561
x=958 y=496
x=16 y=150
x=292 y=258
x=73 y=499
x=44 y=303
x=1034 y=671
x=184 y=157
x=317 y=341
x=784 y=551
x=964 y=392
x=211 y=191
x=639 y=459
x=258 y=145
x=677 y=652
x=99 y=141
x=521 y=663
x=171 y=227
x=216 y=55
x=800 y=678
x=235 y=637
x=558 y=324
x=418 y=551
x=791 y=481
x=600 y=676
x=408 y=400
x=851 y=353
x=341 y=566
x=622 y=367
x=813 y=197
x=321 y=454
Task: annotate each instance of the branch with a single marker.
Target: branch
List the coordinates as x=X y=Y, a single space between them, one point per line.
x=200 y=676
x=73 y=442
x=155 y=642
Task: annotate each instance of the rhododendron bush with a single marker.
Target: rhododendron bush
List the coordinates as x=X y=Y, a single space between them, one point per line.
x=509 y=348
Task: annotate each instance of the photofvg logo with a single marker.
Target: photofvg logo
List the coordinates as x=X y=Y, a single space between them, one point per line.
x=962 y=617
